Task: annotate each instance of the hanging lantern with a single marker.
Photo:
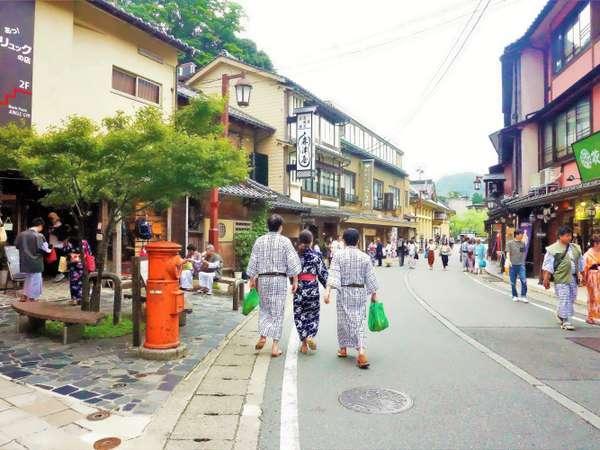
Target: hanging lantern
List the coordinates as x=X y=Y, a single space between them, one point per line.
x=242 y=92
x=477 y=183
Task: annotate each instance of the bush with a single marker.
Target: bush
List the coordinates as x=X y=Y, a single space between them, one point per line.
x=243 y=241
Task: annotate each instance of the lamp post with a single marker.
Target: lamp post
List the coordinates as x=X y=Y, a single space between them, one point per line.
x=242 y=95
x=477 y=183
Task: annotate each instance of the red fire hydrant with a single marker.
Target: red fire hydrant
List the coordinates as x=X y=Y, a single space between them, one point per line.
x=164 y=299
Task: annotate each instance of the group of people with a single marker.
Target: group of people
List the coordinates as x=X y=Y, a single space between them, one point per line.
x=565 y=264
x=274 y=260
x=34 y=250
x=206 y=266
x=473 y=255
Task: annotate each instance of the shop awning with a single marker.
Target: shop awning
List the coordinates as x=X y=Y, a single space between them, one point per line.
x=324 y=211
x=561 y=194
x=371 y=219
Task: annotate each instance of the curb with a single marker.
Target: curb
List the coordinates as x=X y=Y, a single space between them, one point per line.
x=163 y=422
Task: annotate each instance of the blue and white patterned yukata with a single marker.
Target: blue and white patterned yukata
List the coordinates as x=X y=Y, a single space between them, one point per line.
x=350 y=266
x=307 y=305
x=566 y=293
x=272 y=254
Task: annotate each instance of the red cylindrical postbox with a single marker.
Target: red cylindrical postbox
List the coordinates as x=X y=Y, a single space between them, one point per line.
x=164 y=299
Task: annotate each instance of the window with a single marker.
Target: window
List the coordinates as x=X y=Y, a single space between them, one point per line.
x=327 y=132
x=329 y=183
x=135 y=86
x=567 y=127
x=377 y=194
x=574 y=36
x=396 y=192
x=310 y=185
x=349 y=185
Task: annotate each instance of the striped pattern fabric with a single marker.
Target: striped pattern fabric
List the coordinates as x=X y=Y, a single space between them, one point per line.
x=351 y=266
x=566 y=293
x=272 y=253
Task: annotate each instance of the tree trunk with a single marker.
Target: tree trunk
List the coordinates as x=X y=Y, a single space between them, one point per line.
x=101 y=261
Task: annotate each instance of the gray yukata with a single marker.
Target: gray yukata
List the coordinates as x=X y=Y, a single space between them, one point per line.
x=351 y=266
x=272 y=253
x=566 y=293
x=32 y=246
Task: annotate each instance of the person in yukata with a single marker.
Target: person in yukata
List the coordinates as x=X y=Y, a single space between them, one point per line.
x=272 y=261
x=192 y=259
x=210 y=269
x=32 y=246
x=307 y=298
x=73 y=249
x=564 y=260
x=352 y=275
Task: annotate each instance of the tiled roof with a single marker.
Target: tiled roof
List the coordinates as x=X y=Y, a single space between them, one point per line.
x=561 y=194
x=324 y=211
x=531 y=29
x=251 y=189
x=137 y=22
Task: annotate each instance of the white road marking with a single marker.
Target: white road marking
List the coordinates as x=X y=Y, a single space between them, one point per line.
x=289 y=434
x=572 y=406
x=553 y=311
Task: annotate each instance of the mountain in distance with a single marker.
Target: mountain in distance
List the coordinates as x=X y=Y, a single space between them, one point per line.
x=458 y=182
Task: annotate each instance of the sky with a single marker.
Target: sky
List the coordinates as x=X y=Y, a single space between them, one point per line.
x=377 y=60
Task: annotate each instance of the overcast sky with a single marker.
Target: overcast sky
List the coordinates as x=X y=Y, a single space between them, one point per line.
x=375 y=59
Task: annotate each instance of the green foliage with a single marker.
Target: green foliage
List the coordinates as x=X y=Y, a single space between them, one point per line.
x=12 y=138
x=104 y=330
x=471 y=221
x=210 y=26
x=477 y=198
x=199 y=116
x=243 y=241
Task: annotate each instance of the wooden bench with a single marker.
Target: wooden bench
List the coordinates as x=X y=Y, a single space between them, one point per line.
x=72 y=316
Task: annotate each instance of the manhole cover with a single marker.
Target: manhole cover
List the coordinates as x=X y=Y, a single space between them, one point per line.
x=107 y=443
x=374 y=400
x=119 y=385
x=98 y=415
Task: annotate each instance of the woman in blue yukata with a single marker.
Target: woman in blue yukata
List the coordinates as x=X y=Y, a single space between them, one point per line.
x=307 y=299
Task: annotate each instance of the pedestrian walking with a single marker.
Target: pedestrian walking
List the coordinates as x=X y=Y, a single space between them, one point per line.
x=464 y=254
x=379 y=252
x=401 y=251
x=32 y=246
x=592 y=280
x=471 y=255
x=352 y=275
x=479 y=252
x=272 y=261
x=445 y=252
x=307 y=298
x=75 y=267
x=564 y=261
x=431 y=249
x=371 y=251
x=516 y=259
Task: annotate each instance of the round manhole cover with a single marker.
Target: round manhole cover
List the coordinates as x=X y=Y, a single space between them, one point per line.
x=98 y=415
x=374 y=400
x=107 y=443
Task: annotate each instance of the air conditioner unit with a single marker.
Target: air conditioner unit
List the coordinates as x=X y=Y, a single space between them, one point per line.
x=549 y=175
x=535 y=179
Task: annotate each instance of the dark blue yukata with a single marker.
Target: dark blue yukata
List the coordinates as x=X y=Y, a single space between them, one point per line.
x=307 y=299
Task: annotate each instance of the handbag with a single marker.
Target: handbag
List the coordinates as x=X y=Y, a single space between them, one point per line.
x=51 y=257
x=8 y=225
x=62 y=264
x=377 y=318
x=251 y=301
x=89 y=259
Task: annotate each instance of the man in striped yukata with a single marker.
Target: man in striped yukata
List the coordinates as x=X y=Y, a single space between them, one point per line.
x=272 y=262
x=352 y=275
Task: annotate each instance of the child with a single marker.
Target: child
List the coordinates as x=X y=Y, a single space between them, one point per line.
x=75 y=268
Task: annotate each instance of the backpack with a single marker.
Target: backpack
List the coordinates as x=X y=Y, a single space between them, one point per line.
x=143 y=229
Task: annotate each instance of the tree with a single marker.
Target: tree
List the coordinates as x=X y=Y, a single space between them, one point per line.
x=210 y=26
x=477 y=198
x=128 y=163
x=470 y=221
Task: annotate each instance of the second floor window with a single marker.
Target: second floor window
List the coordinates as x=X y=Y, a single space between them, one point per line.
x=349 y=185
x=567 y=127
x=396 y=192
x=377 y=194
x=329 y=183
x=135 y=86
x=574 y=36
x=328 y=135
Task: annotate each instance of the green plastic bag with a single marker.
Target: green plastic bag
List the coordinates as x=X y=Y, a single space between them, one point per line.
x=377 y=319
x=251 y=301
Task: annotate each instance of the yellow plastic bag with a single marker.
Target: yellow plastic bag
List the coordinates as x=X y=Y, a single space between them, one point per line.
x=62 y=264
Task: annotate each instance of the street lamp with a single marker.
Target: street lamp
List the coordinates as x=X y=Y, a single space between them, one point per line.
x=477 y=183
x=242 y=95
x=491 y=204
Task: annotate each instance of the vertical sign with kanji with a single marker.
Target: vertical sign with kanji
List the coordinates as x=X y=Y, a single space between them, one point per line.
x=16 y=60
x=367 y=183
x=305 y=148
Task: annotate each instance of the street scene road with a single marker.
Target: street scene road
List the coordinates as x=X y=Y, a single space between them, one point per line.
x=462 y=397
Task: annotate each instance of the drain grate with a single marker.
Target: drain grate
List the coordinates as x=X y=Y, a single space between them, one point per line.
x=491 y=279
x=375 y=400
x=98 y=415
x=107 y=443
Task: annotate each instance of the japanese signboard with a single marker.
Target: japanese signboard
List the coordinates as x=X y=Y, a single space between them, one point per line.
x=16 y=59
x=367 y=183
x=587 y=155
x=305 y=147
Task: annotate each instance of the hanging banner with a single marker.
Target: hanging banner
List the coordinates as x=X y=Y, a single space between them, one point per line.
x=367 y=183
x=305 y=146
x=16 y=60
x=527 y=234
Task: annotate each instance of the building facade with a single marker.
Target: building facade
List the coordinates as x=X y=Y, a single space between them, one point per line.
x=431 y=217
x=550 y=100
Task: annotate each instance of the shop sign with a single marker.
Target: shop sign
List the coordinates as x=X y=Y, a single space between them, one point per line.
x=587 y=155
x=305 y=146
x=582 y=215
x=16 y=60
x=527 y=229
x=367 y=183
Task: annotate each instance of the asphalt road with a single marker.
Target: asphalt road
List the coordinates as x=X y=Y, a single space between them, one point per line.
x=463 y=398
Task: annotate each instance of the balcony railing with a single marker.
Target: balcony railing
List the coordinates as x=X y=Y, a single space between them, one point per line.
x=351 y=198
x=440 y=216
x=378 y=203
